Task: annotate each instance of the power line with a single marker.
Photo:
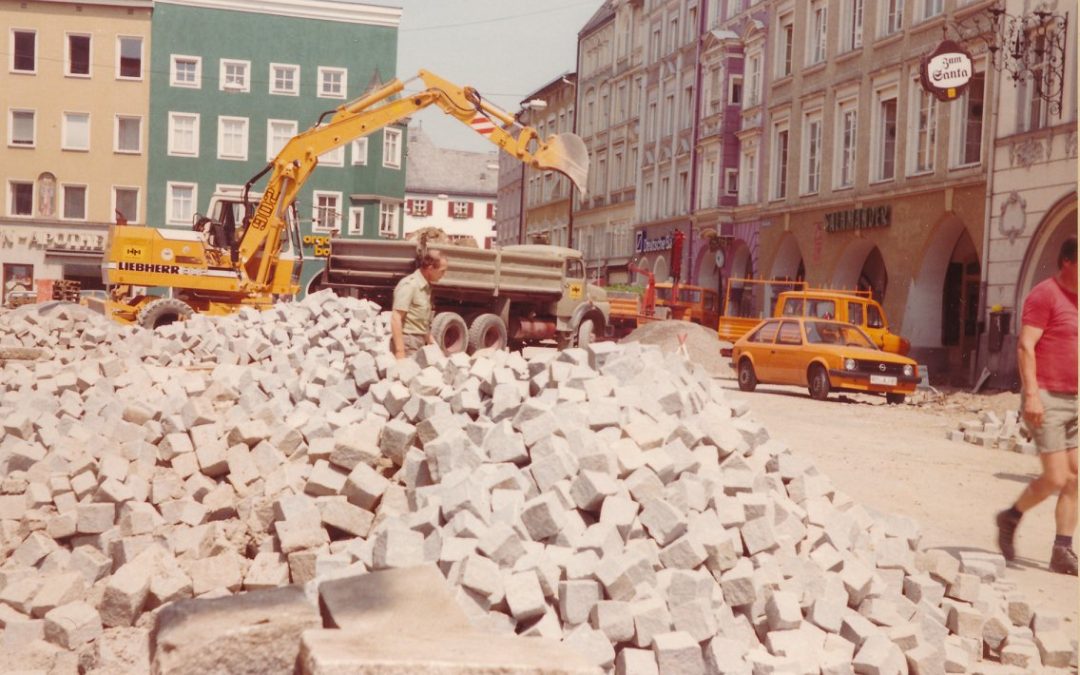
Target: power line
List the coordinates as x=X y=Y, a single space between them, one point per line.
x=496 y=19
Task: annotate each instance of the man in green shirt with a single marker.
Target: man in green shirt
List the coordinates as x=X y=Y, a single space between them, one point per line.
x=414 y=308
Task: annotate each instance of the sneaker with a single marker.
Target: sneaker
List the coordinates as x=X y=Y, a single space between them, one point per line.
x=1006 y=525
x=1063 y=560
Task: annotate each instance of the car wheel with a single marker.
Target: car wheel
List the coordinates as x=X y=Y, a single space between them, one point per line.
x=747 y=376
x=818 y=382
x=895 y=399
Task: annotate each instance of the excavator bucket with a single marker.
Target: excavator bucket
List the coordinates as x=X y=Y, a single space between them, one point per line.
x=567 y=154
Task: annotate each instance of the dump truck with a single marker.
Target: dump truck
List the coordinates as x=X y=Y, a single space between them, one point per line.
x=248 y=252
x=488 y=298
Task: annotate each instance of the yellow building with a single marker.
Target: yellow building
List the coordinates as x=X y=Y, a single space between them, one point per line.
x=74 y=104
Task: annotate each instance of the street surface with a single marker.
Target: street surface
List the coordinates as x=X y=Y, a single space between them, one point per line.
x=897 y=459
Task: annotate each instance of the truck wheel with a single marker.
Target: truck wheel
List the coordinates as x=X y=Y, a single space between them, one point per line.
x=162 y=312
x=747 y=376
x=586 y=333
x=450 y=332
x=487 y=332
x=819 y=382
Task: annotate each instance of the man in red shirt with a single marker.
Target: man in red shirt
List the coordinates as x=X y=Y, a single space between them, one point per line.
x=1047 y=357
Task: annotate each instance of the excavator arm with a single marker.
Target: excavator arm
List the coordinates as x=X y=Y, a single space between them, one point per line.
x=261 y=243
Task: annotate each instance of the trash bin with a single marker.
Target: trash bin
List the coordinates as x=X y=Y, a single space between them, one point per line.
x=1000 y=320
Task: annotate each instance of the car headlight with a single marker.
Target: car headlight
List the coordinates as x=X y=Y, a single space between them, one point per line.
x=849 y=364
x=909 y=370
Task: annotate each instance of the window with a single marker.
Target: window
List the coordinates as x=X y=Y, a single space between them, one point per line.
x=971 y=121
x=789 y=334
x=129 y=58
x=278 y=133
x=924 y=138
x=20 y=198
x=284 y=79
x=21 y=128
x=855 y=313
x=74 y=197
x=812 y=152
x=24 y=51
x=128 y=134
x=731 y=181
x=885 y=137
x=491 y=209
x=1034 y=113
x=332 y=82
x=420 y=207
x=735 y=90
x=460 y=209
x=931 y=8
x=780 y=161
x=665 y=197
x=389 y=217
x=181 y=204
x=184 y=134
x=76 y=131
x=748 y=190
x=356 y=220
x=78 y=55
x=892 y=16
x=234 y=75
x=873 y=317
x=186 y=71
x=359 y=152
x=710 y=179
x=126 y=204
x=232 y=138
x=392 y=148
x=847 y=136
x=785 y=45
x=816 y=38
x=852 y=26
x=753 y=74
x=327 y=211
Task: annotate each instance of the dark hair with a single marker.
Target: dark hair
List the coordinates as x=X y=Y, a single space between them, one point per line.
x=430 y=259
x=1068 y=252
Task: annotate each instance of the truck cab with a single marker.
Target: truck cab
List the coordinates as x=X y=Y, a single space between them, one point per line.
x=852 y=307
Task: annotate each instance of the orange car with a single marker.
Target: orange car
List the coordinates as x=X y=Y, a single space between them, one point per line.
x=823 y=356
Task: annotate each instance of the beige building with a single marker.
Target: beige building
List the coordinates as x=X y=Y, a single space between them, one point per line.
x=74 y=100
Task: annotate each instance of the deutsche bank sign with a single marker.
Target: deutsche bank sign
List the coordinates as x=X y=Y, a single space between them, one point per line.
x=643 y=245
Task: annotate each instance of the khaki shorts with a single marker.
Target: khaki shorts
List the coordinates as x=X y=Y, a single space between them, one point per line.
x=1058 y=430
x=413 y=343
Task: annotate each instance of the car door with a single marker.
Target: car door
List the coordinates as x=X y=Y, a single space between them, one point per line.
x=788 y=354
x=759 y=345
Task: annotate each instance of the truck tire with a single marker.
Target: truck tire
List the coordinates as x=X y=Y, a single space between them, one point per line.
x=586 y=333
x=450 y=332
x=162 y=312
x=487 y=332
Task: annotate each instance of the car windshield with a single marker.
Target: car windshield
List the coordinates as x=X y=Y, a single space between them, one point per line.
x=835 y=333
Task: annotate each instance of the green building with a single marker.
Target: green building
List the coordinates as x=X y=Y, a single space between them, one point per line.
x=233 y=80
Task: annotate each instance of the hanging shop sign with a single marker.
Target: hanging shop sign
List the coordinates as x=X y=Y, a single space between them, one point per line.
x=946 y=71
x=642 y=244
x=866 y=218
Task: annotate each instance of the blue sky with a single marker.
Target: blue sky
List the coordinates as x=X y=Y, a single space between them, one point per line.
x=506 y=49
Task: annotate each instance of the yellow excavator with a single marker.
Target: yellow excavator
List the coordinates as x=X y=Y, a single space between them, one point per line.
x=249 y=253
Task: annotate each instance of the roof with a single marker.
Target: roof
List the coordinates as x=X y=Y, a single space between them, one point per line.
x=603 y=14
x=430 y=168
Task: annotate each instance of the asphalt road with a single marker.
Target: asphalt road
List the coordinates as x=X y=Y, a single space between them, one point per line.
x=897 y=459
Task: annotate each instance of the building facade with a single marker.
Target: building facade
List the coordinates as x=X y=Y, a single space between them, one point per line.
x=70 y=164
x=233 y=83
x=453 y=190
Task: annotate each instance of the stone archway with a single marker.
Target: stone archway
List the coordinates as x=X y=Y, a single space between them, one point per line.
x=849 y=268
x=661 y=270
x=1040 y=259
x=788 y=263
x=874 y=276
x=742 y=264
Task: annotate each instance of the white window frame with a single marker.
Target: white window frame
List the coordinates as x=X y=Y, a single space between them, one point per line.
x=780 y=162
x=173 y=150
x=393 y=162
x=11 y=128
x=852 y=26
x=752 y=90
x=223 y=84
x=116 y=134
x=847 y=143
x=11 y=42
x=353 y=228
x=817 y=33
x=63 y=201
x=892 y=17
x=1033 y=112
x=748 y=176
x=171 y=216
x=812 y=151
x=958 y=133
x=417 y=211
x=113 y=202
x=246 y=127
x=928 y=9
x=732 y=81
x=295 y=91
x=271 y=151
x=328 y=70
x=785 y=43
x=183 y=84
x=359 y=150
x=395 y=214
x=142 y=57
x=882 y=94
x=11 y=197
x=67 y=55
x=64 y=129
x=922 y=139
x=317 y=224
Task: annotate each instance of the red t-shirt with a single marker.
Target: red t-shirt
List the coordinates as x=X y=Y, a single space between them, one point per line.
x=1053 y=309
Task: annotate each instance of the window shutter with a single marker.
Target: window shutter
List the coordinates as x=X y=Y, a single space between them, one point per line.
x=409 y=206
x=491 y=211
x=450 y=209
x=469 y=212
x=430 y=206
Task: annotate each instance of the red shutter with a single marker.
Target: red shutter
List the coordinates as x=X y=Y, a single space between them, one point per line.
x=408 y=206
x=430 y=208
x=450 y=209
x=491 y=211
x=468 y=214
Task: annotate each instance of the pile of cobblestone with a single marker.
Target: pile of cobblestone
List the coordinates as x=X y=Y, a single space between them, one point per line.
x=614 y=498
x=990 y=430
